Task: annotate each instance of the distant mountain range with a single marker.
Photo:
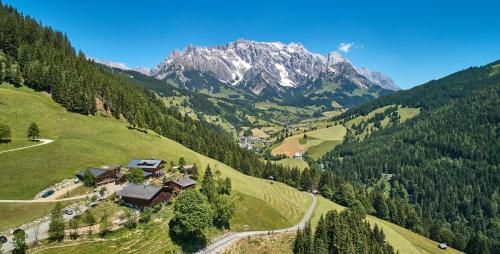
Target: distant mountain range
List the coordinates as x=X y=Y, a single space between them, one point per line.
x=267 y=69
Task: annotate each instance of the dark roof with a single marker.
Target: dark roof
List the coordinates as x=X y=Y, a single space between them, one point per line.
x=113 y=167
x=148 y=164
x=140 y=191
x=185 y=182
x=96 y=172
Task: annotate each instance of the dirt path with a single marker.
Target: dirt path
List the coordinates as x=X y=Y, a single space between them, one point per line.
x=43 y=141
x=41 y=200
x=221 y=244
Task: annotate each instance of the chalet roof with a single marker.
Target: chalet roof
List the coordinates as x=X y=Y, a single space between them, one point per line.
x=185 y=182
x=96 y=172
x=113 y=167
x=147 y=164
x=140 y=191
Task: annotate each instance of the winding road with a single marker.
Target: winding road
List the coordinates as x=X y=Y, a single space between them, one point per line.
x=43 y=141
x=221 y=244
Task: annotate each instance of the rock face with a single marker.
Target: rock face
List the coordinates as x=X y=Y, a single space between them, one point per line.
x=379 y=79
x=261 y=66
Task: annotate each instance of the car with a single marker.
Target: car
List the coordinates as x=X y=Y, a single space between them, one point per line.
x=68 y=212
x=47 y=193
x=3 y=239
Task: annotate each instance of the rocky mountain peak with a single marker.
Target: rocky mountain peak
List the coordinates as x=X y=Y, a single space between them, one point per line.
x=258 y=65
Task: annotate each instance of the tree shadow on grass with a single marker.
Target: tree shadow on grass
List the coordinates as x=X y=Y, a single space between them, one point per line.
x=5 y=141
x=137 y=129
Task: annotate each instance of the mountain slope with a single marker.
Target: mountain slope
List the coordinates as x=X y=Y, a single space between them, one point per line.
x=444 y=162
x=266 y=69
x=94 y=141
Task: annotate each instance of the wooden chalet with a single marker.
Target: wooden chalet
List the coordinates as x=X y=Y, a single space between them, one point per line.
x=152 y=168
x=141 y=195
x=103 y=176
x=180 y=184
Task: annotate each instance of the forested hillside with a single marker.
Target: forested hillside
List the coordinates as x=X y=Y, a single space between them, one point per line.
x=435 y=93
x=342 y=233
x=443 y=164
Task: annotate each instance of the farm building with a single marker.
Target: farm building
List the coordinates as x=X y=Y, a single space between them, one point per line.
x=141 y=195
x=103 y=176
x=298 y=156
x=184 y=169
x=180 y=184
x=150 y=167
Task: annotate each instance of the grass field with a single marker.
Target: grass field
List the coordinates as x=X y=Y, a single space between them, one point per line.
x=291 y=162
x=18 y=143
x=78 y=191
x=319 y=150
x=247 y=207
x=278 y=243
x=321 y=141
x=85 y=141
x=405 y=113
x=16 y=214
x=403 y=240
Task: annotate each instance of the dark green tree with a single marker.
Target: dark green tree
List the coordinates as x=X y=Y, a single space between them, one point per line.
x=208 y=185
x=88 y=179
x=33 y=131
x=5 y=133
x=56 y=226
x=135 y=175
x=224 y=209
x=19 y=240
x=192 y=214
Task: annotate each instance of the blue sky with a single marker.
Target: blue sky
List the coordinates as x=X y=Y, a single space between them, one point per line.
x=411 y=42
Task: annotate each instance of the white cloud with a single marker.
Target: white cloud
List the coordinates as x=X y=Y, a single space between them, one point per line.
x=345 y=46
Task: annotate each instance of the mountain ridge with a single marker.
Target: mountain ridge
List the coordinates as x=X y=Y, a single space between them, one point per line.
x=256 y=66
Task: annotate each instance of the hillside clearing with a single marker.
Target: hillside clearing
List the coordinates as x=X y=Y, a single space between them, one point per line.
x=278 y=243
x=291 y=162
x=316 y=138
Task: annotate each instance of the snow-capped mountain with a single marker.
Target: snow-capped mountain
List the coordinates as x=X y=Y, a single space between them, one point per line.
x=379 y=79
x=259 y=66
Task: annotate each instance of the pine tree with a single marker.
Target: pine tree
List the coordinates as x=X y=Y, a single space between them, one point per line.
x=56 y=226
x=208 y=187
x=320 y=245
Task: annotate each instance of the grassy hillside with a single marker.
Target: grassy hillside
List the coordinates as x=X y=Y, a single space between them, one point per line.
x=403 y=240
x=85 y=141
x=317 y=143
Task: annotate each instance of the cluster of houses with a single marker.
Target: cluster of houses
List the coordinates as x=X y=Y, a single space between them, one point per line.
x=253 y=142
x=140 y=195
